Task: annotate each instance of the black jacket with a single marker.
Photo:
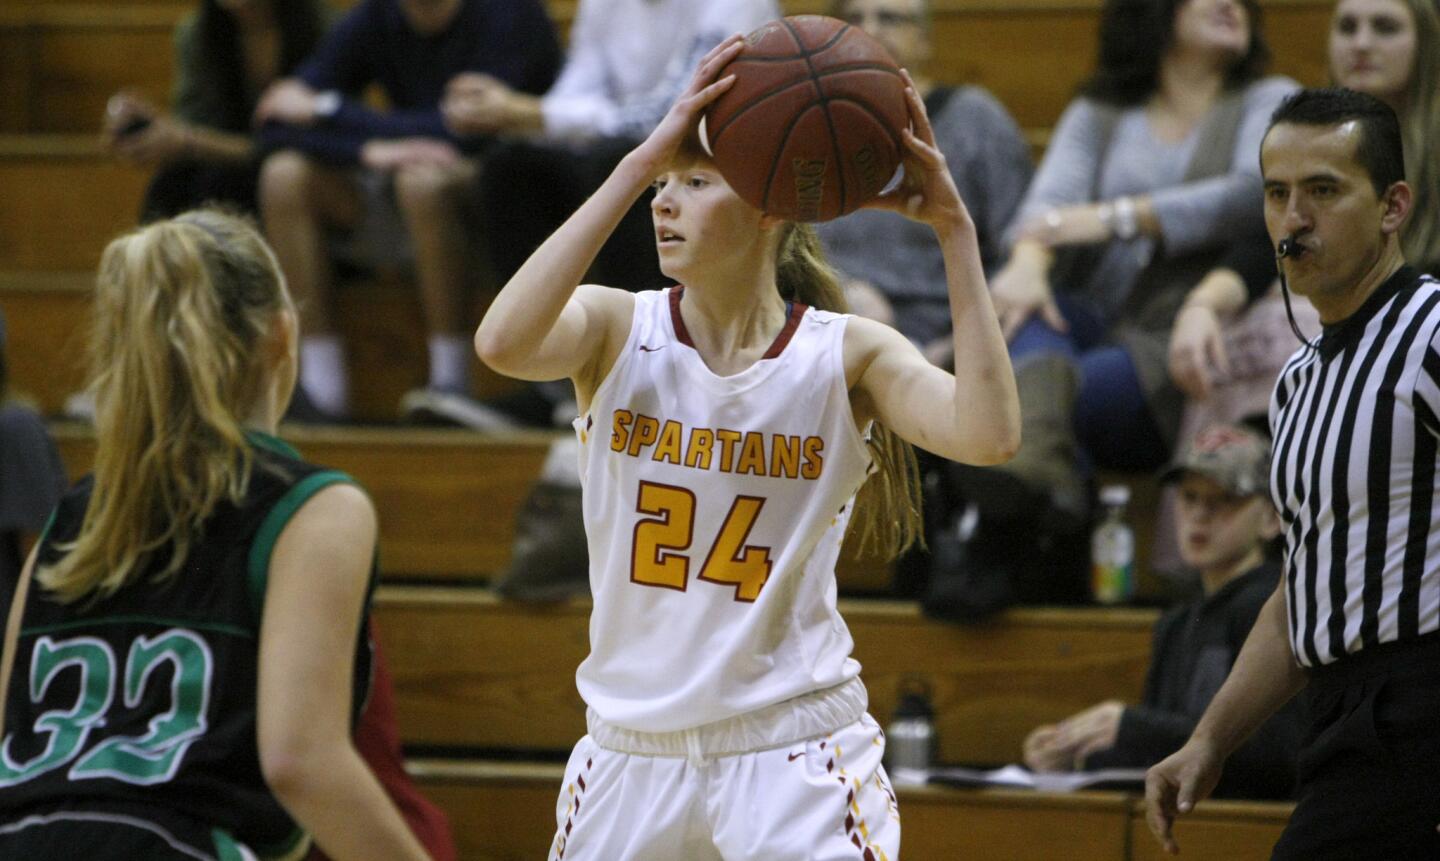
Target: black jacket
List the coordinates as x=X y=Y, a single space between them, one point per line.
x=1194 y=647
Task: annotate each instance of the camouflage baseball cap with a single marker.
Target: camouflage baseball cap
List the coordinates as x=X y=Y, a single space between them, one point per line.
x=1234 y=457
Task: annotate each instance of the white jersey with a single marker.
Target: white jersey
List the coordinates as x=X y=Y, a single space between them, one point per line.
x=714 y=510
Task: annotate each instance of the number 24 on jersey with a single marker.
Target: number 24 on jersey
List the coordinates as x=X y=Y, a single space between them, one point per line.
x=667 y=530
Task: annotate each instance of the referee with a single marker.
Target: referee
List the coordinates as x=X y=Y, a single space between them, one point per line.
x=1355 y=621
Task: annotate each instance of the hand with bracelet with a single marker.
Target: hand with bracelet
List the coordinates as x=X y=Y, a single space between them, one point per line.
x=1198 y=358
x=1122 y=219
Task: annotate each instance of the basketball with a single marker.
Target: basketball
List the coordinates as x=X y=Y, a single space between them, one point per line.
x=810 y=130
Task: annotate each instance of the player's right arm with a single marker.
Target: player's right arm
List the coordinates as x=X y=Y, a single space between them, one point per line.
x=540 y=327
x=1264 y=678
x=316 y=590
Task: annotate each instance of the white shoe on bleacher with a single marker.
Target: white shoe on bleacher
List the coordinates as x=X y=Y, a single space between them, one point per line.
x=438 y=407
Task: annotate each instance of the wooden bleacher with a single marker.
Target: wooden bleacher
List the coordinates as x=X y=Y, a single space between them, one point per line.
x=505 y=812
x=66 y=57
x=447 y=498
x=377 y=318
x=990 y=684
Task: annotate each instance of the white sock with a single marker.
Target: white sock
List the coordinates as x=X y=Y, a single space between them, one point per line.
x=450 y=363
x=322 y=372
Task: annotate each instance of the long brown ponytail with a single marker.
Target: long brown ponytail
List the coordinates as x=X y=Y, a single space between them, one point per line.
x=181 y=309
x=887 y=511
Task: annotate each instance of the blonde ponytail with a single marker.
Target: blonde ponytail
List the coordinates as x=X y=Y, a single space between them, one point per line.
x=887 y=511
x=181 y=308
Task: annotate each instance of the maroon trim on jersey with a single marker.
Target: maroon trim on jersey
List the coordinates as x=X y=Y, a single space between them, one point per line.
x=797 y=313
x=682 y=334
x=792 y=322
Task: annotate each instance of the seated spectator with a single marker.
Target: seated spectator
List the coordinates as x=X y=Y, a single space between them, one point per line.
x=891 y=267
x=227 y=53
x=31 y=476
x=393 y=179
x=628 y=61
x=1390 y=49
x=1151 y=177
x=1227 y=526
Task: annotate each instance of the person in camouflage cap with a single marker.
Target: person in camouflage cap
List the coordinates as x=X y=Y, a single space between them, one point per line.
x=1226 y=525
x=1234 y=457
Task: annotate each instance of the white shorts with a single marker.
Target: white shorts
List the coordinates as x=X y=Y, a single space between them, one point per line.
x=822 y=799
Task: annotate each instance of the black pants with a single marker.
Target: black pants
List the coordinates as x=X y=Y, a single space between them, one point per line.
x=527 y=190
x=187 y=184
x=1370 y=764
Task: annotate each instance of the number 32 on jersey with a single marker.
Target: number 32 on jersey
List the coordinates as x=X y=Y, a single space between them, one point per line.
x=667 y=530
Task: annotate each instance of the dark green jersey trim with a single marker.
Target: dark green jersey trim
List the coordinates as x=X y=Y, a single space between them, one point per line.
x=196 y=624
x=227 y=848
x=271 y=443
x=286 y=847
x=275 y=522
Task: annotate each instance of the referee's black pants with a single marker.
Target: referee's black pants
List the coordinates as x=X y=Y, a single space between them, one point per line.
x=1370 y=764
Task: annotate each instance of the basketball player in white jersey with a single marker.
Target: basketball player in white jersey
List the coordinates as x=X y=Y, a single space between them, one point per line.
x=725 y=428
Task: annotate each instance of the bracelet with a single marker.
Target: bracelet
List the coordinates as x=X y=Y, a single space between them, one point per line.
x=1127 y=220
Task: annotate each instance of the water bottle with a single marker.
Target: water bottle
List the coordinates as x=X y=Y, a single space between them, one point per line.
x=910 y=738
x=1112 y=549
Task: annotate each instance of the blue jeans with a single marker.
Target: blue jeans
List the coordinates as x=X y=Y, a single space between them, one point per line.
x=1112 y=421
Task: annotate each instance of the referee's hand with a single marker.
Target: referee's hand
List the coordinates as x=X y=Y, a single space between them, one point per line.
x=1175 y=784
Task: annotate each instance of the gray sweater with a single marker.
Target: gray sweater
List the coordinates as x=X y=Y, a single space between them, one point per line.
x=990 y=162
x=1204 y=214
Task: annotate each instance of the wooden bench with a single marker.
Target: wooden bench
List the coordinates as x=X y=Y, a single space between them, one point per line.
x=1232 y=830
x=447 y=498
x=62 y=202
x=65 y=59
x=378 y=319
x=472 y=671
x=505 y=811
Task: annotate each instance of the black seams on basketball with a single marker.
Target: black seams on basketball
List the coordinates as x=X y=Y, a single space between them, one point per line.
x=810 y=130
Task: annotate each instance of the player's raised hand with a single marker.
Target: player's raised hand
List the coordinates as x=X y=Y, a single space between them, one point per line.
x=660 y=147
x=927 y=193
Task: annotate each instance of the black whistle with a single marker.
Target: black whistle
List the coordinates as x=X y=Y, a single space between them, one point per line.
x=1289 y=247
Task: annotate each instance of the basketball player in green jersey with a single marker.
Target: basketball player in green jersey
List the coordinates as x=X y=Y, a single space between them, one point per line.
x=181 y=680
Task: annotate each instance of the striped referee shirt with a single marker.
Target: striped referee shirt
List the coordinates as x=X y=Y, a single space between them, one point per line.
x=1353 y=475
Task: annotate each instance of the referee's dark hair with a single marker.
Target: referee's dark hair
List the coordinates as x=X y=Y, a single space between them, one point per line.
x=1379 y=149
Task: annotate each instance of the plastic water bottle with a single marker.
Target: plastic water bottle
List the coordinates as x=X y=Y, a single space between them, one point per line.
x=910 y=738
x=1112 y=549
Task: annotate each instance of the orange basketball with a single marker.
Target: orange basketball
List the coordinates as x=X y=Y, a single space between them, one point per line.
x=810 y=130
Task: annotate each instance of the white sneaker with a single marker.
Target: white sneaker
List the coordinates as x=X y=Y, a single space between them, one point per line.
x=80 y=407
x=439 y=407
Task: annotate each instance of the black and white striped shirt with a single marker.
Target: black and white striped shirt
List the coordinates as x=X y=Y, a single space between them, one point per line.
x=1354 y=477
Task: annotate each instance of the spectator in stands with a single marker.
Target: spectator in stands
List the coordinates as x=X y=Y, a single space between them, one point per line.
x=891 y=267
x=227 y=53
x=1151 y=177
x=628 y=62
x=31 y=476
x=1227 y=526
x=1390 y=49
x=389 y=179
x=202 y=542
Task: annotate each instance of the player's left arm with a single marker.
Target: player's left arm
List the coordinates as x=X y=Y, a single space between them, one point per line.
x=972 y=416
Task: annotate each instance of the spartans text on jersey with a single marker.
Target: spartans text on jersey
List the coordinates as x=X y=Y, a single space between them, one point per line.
x=741 y=452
